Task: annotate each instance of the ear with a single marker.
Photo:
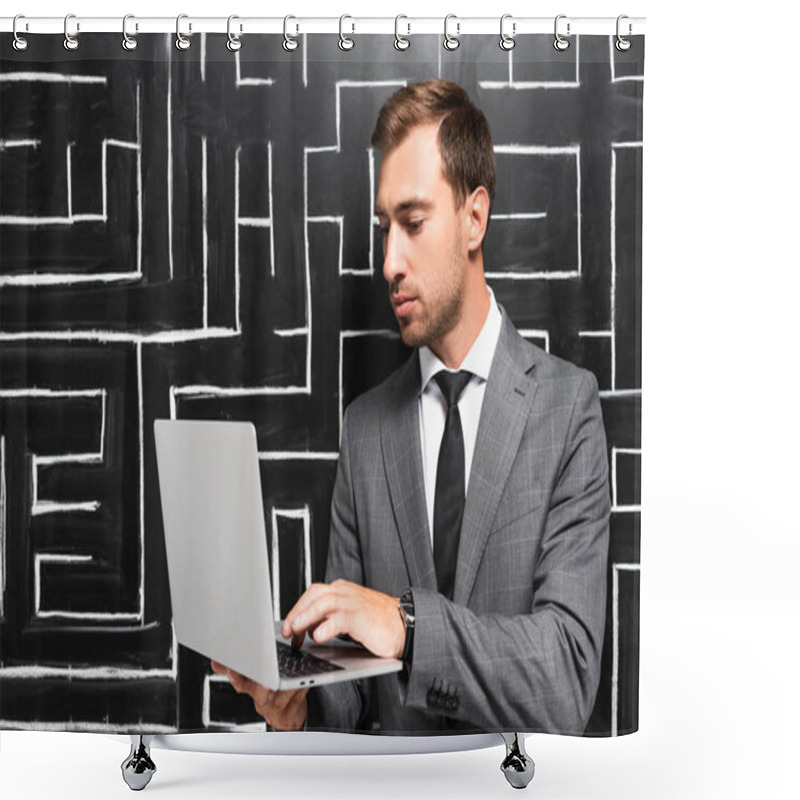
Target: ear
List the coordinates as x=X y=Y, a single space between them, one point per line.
x=476 y=207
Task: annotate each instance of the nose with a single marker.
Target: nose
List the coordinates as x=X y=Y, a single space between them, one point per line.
x=393 y=259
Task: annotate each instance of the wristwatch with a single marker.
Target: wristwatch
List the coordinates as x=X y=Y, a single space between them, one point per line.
x=407 y=613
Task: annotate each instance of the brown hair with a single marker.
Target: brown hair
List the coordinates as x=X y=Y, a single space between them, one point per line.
x=465 y=140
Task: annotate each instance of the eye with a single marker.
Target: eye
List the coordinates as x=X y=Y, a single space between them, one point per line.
x=414 y=225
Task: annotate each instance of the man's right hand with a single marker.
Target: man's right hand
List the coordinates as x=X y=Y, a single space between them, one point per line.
x=283 y=710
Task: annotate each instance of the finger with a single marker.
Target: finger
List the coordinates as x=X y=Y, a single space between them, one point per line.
x=308 y=596
x=264 y=704
x=220 y=669
x=243 y=685
x=293 y=711
x=317 y=611
x=331 y=627
x=281 y=700
x=297 y=710
x=299 y=638
x=300 y=608
x=236 y=680
x=272 y=707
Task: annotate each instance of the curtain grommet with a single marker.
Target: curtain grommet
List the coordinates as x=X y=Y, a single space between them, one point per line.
x=345 y=43
x=451 y=42
x=181 y=42
x=234 y=43
x=400 y=42
x=20 y=42
x=507 y=42
x=128 y=42
x=623 y=44
x=71 y=43
x=290 y=44
x=561 y=43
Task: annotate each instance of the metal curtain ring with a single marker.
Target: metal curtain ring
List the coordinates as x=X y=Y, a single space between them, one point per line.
x=181 y=42
x=560 y=42
x=400 y=42
x=128 y=42
x=20 y=43
x=70 y=42
x=289 y=44
x=451 y=42
x=344 y=42
x=622 y=43
x=507 y=42
x=234 y=42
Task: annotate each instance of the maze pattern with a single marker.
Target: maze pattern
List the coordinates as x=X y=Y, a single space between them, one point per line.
x=190 y=234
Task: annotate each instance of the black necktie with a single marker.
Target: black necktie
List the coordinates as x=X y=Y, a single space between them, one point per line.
x=448 y=504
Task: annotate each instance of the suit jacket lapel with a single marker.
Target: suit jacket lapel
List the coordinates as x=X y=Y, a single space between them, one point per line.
x=506 y=405
x=402 y=459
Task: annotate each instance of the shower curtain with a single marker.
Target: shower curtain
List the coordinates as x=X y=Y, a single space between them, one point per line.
x=190 y=234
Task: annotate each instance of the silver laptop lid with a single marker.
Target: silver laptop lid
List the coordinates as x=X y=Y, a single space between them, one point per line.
x=212 y=503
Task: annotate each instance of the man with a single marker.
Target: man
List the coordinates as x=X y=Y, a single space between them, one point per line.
x=501 y=627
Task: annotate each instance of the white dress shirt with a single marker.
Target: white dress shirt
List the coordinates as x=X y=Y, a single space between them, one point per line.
x=433 y=406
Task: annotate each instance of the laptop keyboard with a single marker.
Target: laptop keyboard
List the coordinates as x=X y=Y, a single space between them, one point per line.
x=298 y=663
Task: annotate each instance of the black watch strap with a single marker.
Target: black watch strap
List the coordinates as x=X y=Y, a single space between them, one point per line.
x=407 y=610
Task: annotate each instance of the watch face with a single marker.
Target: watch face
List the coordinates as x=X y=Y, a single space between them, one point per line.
x=407 y=607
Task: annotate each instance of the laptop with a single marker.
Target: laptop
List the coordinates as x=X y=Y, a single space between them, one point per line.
x=219 y=575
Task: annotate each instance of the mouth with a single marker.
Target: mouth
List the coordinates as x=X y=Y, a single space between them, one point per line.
x=402 y=305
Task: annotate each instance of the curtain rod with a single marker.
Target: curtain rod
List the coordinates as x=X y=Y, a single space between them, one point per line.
x=407 y=26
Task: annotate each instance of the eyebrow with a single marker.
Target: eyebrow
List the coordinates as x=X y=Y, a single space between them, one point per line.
x=406 y=205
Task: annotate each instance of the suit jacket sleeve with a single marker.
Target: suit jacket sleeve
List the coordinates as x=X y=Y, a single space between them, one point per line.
x=340 y=706
x=540 y=670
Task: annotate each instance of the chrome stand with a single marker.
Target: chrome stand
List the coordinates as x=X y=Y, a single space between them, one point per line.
x=138 y=768
x=518 y=766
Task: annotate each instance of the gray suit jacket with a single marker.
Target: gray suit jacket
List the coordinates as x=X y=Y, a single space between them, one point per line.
x=518 y=648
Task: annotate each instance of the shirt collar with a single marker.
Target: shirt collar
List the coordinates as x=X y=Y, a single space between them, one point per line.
x=478 y=360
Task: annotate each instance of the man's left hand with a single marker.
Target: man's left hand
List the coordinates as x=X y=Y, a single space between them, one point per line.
x=327 y=610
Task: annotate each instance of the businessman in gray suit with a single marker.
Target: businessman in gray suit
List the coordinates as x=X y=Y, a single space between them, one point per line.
x=470 y=514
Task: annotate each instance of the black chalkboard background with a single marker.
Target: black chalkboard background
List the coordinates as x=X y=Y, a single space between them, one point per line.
x=190 y=234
